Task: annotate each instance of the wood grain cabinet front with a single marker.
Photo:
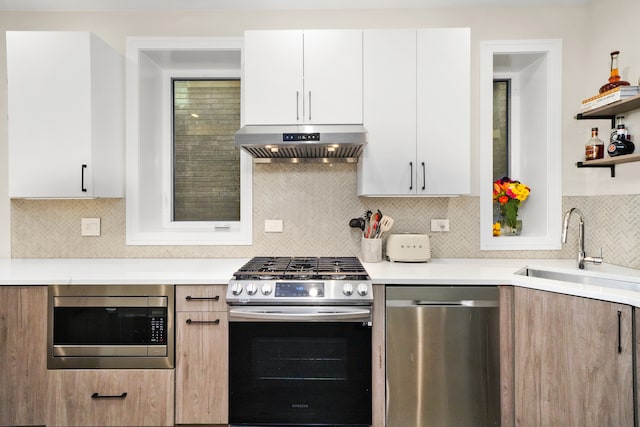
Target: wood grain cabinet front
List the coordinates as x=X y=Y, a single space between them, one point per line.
x=23 y=355
x=573 y=361
x=201 y=355
x=110 y=397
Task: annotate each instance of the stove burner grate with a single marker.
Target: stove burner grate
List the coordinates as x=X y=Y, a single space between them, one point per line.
x=302 y=268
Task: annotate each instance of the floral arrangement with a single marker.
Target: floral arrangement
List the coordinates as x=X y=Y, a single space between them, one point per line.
x=509 y=194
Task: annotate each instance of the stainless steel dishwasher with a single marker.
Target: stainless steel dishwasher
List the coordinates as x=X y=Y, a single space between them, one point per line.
x=442 y=353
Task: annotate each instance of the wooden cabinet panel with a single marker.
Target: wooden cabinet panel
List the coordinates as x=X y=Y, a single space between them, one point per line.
x=507 y=405
x=23 y=355
x=201 y=298
x=148 y=400
x=201 y=368
x=573 y=361
x=378 y=364
x=202 y=363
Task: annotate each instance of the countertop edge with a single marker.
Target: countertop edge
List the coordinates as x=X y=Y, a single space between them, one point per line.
x=216 y=271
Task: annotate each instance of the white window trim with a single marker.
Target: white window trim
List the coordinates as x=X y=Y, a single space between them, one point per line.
x=157 y=228
x=549 y=240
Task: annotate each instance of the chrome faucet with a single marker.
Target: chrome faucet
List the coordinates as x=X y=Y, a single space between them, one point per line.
x=582 y=258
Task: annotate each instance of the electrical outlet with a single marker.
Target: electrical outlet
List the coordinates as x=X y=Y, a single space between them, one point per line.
x=439 y=225
x=90 y=227
x=273 y=226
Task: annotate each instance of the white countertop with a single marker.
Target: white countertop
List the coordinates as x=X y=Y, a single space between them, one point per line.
x=441 y=271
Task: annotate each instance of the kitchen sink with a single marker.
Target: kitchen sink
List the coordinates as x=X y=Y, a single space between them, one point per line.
x=581 y=278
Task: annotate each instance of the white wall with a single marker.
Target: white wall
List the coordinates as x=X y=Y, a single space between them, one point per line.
x=587 y=41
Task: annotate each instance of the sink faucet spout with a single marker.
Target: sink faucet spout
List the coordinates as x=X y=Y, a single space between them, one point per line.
x=582 y=258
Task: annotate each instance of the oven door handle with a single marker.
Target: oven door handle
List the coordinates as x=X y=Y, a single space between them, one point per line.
x=300 y=314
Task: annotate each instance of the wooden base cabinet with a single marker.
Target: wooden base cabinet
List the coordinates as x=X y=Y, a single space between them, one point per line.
x=23 y=355
x=573 y=361
x=201 y=355
x=110 y=397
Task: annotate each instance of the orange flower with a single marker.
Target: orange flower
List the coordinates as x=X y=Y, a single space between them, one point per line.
x=504 y=199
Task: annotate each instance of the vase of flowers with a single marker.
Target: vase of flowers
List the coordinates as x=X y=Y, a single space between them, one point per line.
x=508 y=194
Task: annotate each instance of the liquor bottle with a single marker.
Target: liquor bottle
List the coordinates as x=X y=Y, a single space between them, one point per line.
x=614 y=75
x=620 y=142
x=594 y=148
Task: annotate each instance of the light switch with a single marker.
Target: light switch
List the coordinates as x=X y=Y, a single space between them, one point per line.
x=90 y=227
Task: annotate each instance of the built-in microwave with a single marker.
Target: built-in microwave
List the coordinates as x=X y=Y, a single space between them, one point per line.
x=110 y=326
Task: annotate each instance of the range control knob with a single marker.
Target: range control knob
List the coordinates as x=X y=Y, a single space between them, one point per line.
x=362 y=289
x=236 y=289
x=266 y=289
x=347 y=289
x=252 y=289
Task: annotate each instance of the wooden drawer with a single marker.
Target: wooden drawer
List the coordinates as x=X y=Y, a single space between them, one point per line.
x=109 y=397
x=202 y=368
x=201 y=298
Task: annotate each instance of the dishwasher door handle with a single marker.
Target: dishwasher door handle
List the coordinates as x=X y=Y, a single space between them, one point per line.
x=455 y=303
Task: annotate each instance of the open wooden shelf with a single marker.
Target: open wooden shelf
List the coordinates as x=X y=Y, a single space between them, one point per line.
x=610 y=162
x=609 y=112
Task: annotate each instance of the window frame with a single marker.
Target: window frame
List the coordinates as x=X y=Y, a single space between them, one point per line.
x=149 y=206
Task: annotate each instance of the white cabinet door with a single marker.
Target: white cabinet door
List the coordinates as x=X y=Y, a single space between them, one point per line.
x=333 y=76
x=272 y=77
x=386 y=165
x=417 y=112
x=298 y=77
x=65 y=108
x=443 y=111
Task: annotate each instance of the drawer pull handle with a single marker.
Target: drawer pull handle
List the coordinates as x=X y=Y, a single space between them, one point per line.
x=203 y=322
x=619 y=331
x=190 y=298
x=82 y=187
x=117 y=396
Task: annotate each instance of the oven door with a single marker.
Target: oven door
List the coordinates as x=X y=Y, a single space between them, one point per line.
x=300 y=366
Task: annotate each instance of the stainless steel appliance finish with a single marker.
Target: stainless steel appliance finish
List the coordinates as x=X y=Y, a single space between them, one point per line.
x=301 y=281
x=302 y=143
x=442 y=356
x=300 y=343
x=110 y=326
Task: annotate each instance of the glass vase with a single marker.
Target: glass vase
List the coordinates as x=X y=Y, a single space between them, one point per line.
x=508 y=228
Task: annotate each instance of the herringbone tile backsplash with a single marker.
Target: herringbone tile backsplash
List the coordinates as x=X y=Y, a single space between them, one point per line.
x=315 y=203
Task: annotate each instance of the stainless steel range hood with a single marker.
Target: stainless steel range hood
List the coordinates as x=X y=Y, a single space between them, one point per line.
x=302 y=143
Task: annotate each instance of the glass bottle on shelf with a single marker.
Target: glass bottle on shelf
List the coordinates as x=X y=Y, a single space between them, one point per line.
x=594 y=148
x=614 y=75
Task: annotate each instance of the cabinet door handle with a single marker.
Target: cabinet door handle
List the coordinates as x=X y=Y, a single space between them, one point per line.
x=202 y=322
x=309 y=105
x=424 y=176
x=190 y=298
x=117 y=396
x=619 y=331
x=411 y=171
x=82 y=187
x=297 y=106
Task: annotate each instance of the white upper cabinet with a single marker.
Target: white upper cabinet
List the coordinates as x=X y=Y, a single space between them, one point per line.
x=66 y=114
x=303 y=77
x=417 y=113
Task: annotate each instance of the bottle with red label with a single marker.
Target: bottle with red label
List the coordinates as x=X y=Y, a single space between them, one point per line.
x=594 y=148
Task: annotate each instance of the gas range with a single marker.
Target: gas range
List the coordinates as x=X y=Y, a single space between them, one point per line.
x=301 y=281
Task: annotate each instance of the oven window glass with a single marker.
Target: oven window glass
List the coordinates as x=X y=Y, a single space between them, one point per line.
x=300 y=373
x=109 y=325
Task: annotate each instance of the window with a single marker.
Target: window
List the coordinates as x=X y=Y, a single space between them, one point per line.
x=501 y=118
x=173 y=191
x=206 y=164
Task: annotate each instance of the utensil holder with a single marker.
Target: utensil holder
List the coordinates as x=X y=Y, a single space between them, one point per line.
x=371 y=250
